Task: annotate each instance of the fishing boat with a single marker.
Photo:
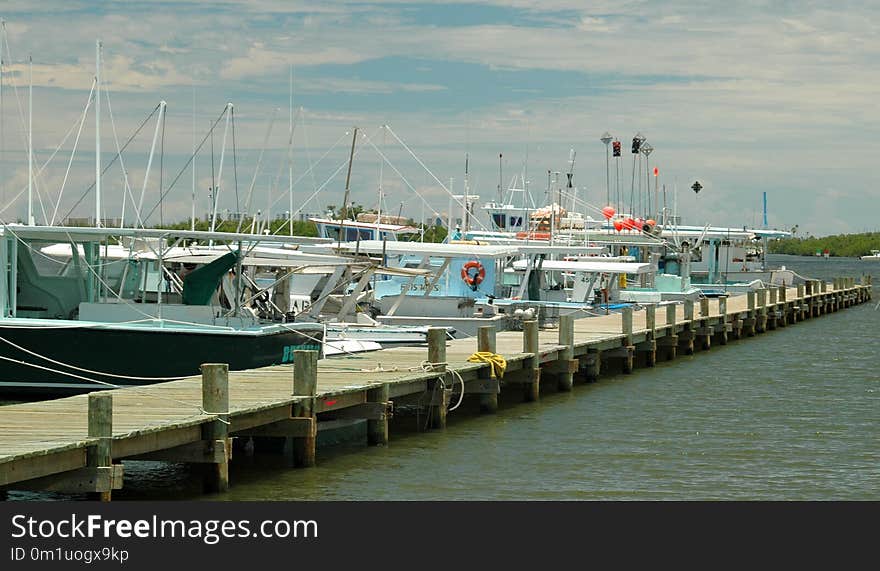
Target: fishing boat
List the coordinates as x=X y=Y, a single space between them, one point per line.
x=94 y=322
x=470 y=284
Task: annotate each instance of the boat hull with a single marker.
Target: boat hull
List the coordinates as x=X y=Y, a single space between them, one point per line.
x=69 y=357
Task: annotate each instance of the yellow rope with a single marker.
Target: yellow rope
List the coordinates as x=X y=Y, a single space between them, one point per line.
x=499 y=363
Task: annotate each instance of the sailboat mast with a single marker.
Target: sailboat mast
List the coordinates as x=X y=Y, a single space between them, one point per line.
x=464 y=209
x=97 y=133
x=2 y=186
x=290 y=157
x=347 y=186
x=381 y=181
x=192 y=218
x=30 y=213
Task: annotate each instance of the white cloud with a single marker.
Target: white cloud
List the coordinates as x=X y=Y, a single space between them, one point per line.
x=750 y=97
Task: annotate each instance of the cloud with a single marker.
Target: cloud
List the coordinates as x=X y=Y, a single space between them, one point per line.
x=749 y=97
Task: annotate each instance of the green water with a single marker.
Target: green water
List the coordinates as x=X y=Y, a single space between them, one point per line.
x=790 y=415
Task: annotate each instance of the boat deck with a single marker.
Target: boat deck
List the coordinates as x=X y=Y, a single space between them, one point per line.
x=68 y=444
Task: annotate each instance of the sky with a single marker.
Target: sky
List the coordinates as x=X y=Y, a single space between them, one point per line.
x=746 y=97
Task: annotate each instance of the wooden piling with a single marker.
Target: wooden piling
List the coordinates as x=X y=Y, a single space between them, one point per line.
x=670 y=341
x=439 y=404
x=750 y=322
x=532 y=386
x=704 y=331
x=377 y=428
x=650 y=349
x=772 y=308
x=591 y=364
x=100 y=426
x=761 y=323
x=565 y=379
x=689 y=309
x=486 y=343
x=305 y=384
x=215 y=401
x=686 y=337
x=722 y=311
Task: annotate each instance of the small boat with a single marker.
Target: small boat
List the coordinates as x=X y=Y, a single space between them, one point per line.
x=873 y=256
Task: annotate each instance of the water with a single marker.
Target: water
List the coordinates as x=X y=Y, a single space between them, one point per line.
x=791 y=415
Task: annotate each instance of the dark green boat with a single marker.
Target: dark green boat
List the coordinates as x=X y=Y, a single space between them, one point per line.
x=103 y=317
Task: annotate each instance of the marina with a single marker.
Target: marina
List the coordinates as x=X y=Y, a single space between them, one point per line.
x=90 y=437
x=184 y=307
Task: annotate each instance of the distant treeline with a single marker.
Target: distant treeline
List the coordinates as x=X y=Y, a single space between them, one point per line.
x=847 y=245
x=279 y=227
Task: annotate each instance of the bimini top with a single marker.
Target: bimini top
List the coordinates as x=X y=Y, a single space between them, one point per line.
x=591 y=266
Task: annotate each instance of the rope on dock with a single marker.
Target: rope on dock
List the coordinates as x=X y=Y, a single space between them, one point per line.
x=498 y=364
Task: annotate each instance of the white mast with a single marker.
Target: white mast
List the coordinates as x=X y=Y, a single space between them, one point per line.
x=30 y=212
x=2 y=29
x=381 y=171
x=140 y=205
x=97 y=133
x=192 y=223
x=220 y=175
x=290 y=157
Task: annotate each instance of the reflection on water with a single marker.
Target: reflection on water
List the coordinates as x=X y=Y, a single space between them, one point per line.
x=791 y=415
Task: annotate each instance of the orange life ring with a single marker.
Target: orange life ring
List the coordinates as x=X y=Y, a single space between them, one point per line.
x=473 y=280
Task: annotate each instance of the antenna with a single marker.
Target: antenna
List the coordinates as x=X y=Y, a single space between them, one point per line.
x=765 y=209
x=572 y=154
x=500 y=180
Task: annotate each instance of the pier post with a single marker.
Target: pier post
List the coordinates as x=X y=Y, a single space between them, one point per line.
x=783 y=307
x=591 y=364
x=566 y=339
x=750 y=321
x=801 y=312
x=670 y=341
x=772 y=309
x=722 y=312
x=101 y=427
x=215 y=401
x=687 y=333
x=305 y=384
x=815 y=301
x=486 y=343
x=532 y=387
x=626 y=327
x=689 y=309
x=626 y=315
x=705 y=330
x=704 y=307
x=650 y=350
x=439 y=393
x=377 y=429
x=761 y=324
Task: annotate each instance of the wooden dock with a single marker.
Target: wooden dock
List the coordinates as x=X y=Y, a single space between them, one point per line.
x=76 y=444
